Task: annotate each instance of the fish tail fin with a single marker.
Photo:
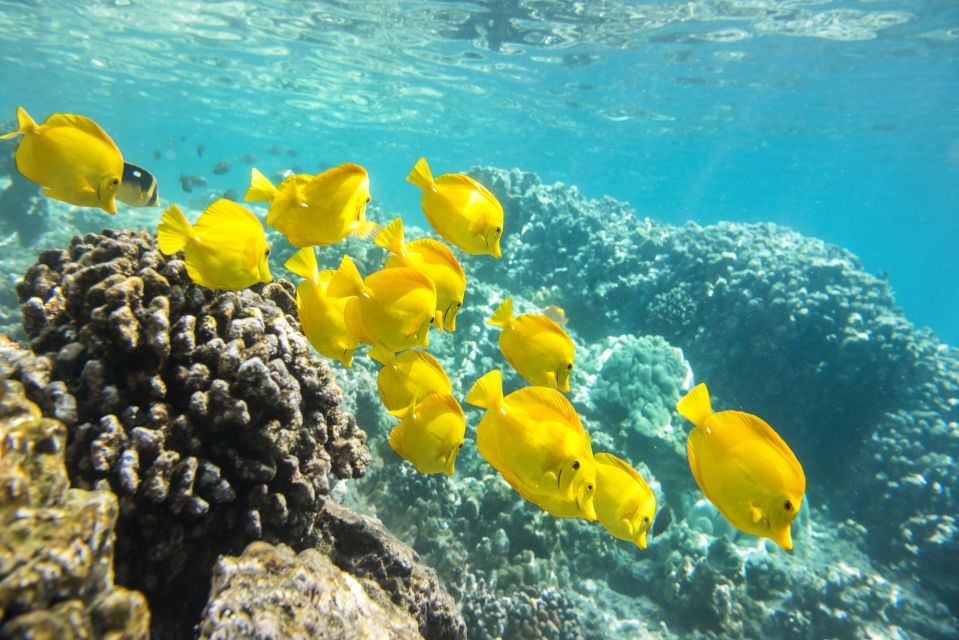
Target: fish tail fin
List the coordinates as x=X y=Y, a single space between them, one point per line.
x=174 y=231
x=303 y=264
x=367 y=230
x=488 y=390
x=421 y=176
x=347 y=281
x=695 y=405
x=261 y=189
x=25 y=124
x=391 y=238
x=503 y=315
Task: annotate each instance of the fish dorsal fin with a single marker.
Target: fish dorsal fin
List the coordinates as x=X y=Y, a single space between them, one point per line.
x=84 y=124
x=428 y=359
x=445 y=400
x=543 y=323
x=613 y=461
x=224 y=210
x=303 y=264
x=316 y=188
x=424 y=245
x=346 y=280
x=556 y=402
x=396 y=274
x=758 y=428
x=461 y=181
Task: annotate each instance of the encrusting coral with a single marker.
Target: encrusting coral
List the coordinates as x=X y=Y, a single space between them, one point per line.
x=204 y=411
x=56 y=543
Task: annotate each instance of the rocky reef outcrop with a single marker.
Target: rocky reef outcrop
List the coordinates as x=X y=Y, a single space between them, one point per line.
x=56 y=542
x=203 y=411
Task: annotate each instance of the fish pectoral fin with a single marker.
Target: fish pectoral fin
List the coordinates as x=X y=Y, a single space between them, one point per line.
x=756 y=513
x=551 y=379
x=627 y=525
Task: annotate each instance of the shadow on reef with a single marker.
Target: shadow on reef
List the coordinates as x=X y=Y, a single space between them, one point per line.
x=208 y=417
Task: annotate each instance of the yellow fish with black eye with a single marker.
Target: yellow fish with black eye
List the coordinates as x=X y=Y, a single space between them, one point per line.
x=461 y=210
x=316 y=210
x=321 y=316
x=409 y=377
x=535 y=439
x=625 y=504
x=430 y=433
x=538 y=348
x=434 y=259
x=225 y=249
x=71 y=157
x=392 y=310
x=744 y=468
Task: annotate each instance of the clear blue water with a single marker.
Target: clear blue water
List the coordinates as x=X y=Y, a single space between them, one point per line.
x=838 y=119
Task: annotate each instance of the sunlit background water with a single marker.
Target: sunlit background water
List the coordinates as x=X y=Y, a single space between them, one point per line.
x=838 y=119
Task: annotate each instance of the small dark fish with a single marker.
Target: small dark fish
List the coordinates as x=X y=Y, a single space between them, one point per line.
x=231 y=194
x=275 y=150
x=156 y=154
x=138 y=187
x=248 y=158
x=292 y=152
x=221 y=167
x=200 y=148
x=663 y=520
x=188 y=182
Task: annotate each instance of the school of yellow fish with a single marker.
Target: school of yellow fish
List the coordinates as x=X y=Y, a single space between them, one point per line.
x=533 y=436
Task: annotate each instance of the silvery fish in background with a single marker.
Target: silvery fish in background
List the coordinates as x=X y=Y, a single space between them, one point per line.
x=138 y=187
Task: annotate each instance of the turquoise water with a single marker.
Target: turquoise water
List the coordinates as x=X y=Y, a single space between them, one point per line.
x=838 y=119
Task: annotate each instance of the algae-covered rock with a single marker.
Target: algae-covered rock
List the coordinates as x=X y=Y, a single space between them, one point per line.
x=56 y=543
x=271 y=592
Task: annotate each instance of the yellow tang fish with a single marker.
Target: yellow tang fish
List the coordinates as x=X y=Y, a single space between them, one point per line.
x=409 y=377
x=624 y=502
x=316 y=210
x=430 y=433
x=225 y=249
x=393 y=308
x=138 y=187
x=556 y=314
x=538 y=348
x=744 y=468
x=534 y=438
x=434 y=259
x=461 y=210
x=71 y=157
x=320 y=315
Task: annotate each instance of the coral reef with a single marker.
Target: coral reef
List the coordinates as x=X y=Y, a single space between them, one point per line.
x=271 y=592
x=788 y=327
x=56 y=543
x=204 y=411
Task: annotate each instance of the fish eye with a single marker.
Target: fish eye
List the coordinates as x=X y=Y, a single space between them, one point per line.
x=459 y=447
x=368 y=198
x=499 y=229
x=569 y=367
x=267 y=251
x=589 y=487
x=646 y=519
x=575 y=465
x=788 y=505
x=115 y=181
